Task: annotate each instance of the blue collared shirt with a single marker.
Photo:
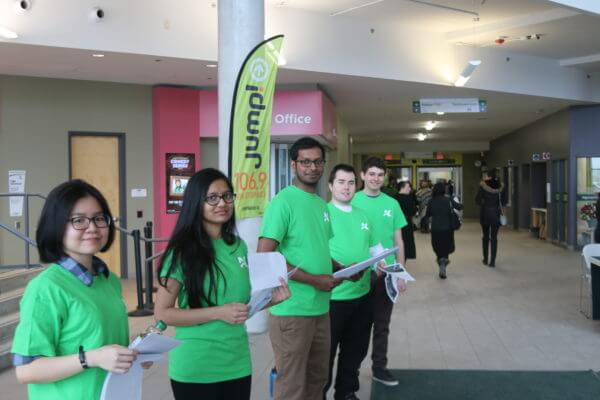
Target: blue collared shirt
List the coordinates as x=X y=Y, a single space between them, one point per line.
x=86 y=277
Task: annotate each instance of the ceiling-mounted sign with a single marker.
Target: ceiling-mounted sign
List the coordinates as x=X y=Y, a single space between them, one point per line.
x=546 y=156
x=469 y=105
x=536 y=157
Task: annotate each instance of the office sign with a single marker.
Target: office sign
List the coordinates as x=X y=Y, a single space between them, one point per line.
x=467 y=105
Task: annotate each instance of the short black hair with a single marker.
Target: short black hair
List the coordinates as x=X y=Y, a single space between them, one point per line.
x=439 y=189
x=341 y=167
x=56 y=213
x=373 y=162
x=303 y=144
x=401 y=184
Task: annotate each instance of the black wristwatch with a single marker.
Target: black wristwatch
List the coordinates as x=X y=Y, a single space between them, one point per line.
x=82 y=359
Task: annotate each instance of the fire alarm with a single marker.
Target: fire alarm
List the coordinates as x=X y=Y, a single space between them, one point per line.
x=500 y=40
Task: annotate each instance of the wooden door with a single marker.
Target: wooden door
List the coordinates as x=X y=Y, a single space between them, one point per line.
x=95 y=159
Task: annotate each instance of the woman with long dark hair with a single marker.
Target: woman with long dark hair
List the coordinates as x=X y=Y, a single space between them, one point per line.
x=408 y=203
x=489 y=199
x=205 y=270
x=73 y=323
x=440 y=211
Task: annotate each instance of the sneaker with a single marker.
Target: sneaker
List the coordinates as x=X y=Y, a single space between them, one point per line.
x=384 y=376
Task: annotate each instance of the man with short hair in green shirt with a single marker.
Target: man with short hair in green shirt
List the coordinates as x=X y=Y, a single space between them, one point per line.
x=297 y=224
x=351 y=307
x=387 y=221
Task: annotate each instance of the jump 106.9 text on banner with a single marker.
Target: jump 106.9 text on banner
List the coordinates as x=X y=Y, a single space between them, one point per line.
x=245 y=181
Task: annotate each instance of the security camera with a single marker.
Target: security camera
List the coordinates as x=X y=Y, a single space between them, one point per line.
x=535 y=36
x=97 y=14
x=22 y=6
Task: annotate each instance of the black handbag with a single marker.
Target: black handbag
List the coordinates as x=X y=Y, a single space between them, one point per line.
x=455 y=221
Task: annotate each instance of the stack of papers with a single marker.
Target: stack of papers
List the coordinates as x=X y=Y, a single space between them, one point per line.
x=265 y=270
x=128 y=386
x=393 y=273
x=356 y=268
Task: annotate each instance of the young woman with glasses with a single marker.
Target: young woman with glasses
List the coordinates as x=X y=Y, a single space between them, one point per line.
x=205 y=271
x=73 y=322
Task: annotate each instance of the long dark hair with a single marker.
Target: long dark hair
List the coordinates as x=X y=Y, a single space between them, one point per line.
x=191 y=247
x=55 y=215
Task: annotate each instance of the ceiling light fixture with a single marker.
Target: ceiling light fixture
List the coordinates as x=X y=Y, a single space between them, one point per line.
x=421 y=137
x=467 y=72
x=430 y=125
x=98 y=55
x=7 y=33
x=211 y=65
x=440 y=113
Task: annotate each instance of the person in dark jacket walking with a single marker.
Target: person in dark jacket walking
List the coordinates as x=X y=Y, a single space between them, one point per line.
x=440 y=211
x=408 y=203
x=597 y=230
x=489 y=198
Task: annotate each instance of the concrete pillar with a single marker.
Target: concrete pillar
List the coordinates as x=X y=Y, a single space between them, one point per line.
x=241 y=28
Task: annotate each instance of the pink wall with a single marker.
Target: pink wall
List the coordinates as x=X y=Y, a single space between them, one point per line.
x=176 y=123
x=181 y=116
x=294 y=113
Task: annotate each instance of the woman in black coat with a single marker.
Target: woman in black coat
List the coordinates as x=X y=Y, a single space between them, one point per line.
x=440 y=211
x=408 y=204
x=489 y=199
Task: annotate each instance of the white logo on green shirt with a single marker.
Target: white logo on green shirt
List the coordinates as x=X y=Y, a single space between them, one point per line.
x=387 y=213
x=325 y=217
x=243 y=262
x=364 y=226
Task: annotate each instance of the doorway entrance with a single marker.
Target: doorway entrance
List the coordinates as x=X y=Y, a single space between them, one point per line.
x=442 y=174
x=99 y=159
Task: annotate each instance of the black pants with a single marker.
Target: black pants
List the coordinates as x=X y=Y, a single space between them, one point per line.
x=350 y=330
x=235 y=389
x=382 y=313
x=490 y=240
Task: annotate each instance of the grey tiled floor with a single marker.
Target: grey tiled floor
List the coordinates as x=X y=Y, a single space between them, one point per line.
x=521 y=315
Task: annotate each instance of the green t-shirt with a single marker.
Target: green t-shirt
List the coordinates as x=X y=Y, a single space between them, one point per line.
x=214 y=351
x=299 y=221
x=58 y=314
x=350 y=244
x=385 y=216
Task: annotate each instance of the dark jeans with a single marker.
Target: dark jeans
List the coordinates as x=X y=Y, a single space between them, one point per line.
x=490 y=240
x=235 y=389
x=382 y=313
x=350 y=330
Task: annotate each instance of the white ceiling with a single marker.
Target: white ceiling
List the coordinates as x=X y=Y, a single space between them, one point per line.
x=374 y=110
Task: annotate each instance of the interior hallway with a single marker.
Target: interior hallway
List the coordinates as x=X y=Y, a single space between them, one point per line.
x=521 y=315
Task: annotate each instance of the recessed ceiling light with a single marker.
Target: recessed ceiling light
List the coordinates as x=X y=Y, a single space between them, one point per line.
x=211 y=65
x=421 y=136
x=440 y=113
x=98 y=55
x=7 y=33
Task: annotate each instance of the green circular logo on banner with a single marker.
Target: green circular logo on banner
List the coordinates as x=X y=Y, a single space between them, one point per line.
x=259 y=69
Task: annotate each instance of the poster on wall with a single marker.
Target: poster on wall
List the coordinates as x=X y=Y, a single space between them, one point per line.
x=250 y=128
x=16 y=184
x=180 y=168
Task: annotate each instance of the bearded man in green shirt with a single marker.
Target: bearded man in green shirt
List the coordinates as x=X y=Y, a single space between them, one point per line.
x=297 y=224
x=387 y=221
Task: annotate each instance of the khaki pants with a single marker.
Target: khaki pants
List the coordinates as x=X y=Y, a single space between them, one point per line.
x=301 y=347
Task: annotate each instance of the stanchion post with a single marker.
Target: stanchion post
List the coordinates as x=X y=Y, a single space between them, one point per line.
x=139 y=311
x=149 y=305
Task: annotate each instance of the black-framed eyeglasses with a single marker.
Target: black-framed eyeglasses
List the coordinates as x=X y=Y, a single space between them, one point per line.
x=319 y=162
x=81 y=223
x=213 y=198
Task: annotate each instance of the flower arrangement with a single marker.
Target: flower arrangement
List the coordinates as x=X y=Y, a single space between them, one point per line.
x=588 y=212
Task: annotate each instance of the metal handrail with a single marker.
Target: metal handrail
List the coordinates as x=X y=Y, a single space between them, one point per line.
x=25 y=237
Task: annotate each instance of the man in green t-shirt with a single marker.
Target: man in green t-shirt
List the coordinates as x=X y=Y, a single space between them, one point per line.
x=387 y=221
x=351 y=306
x=297 y=224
